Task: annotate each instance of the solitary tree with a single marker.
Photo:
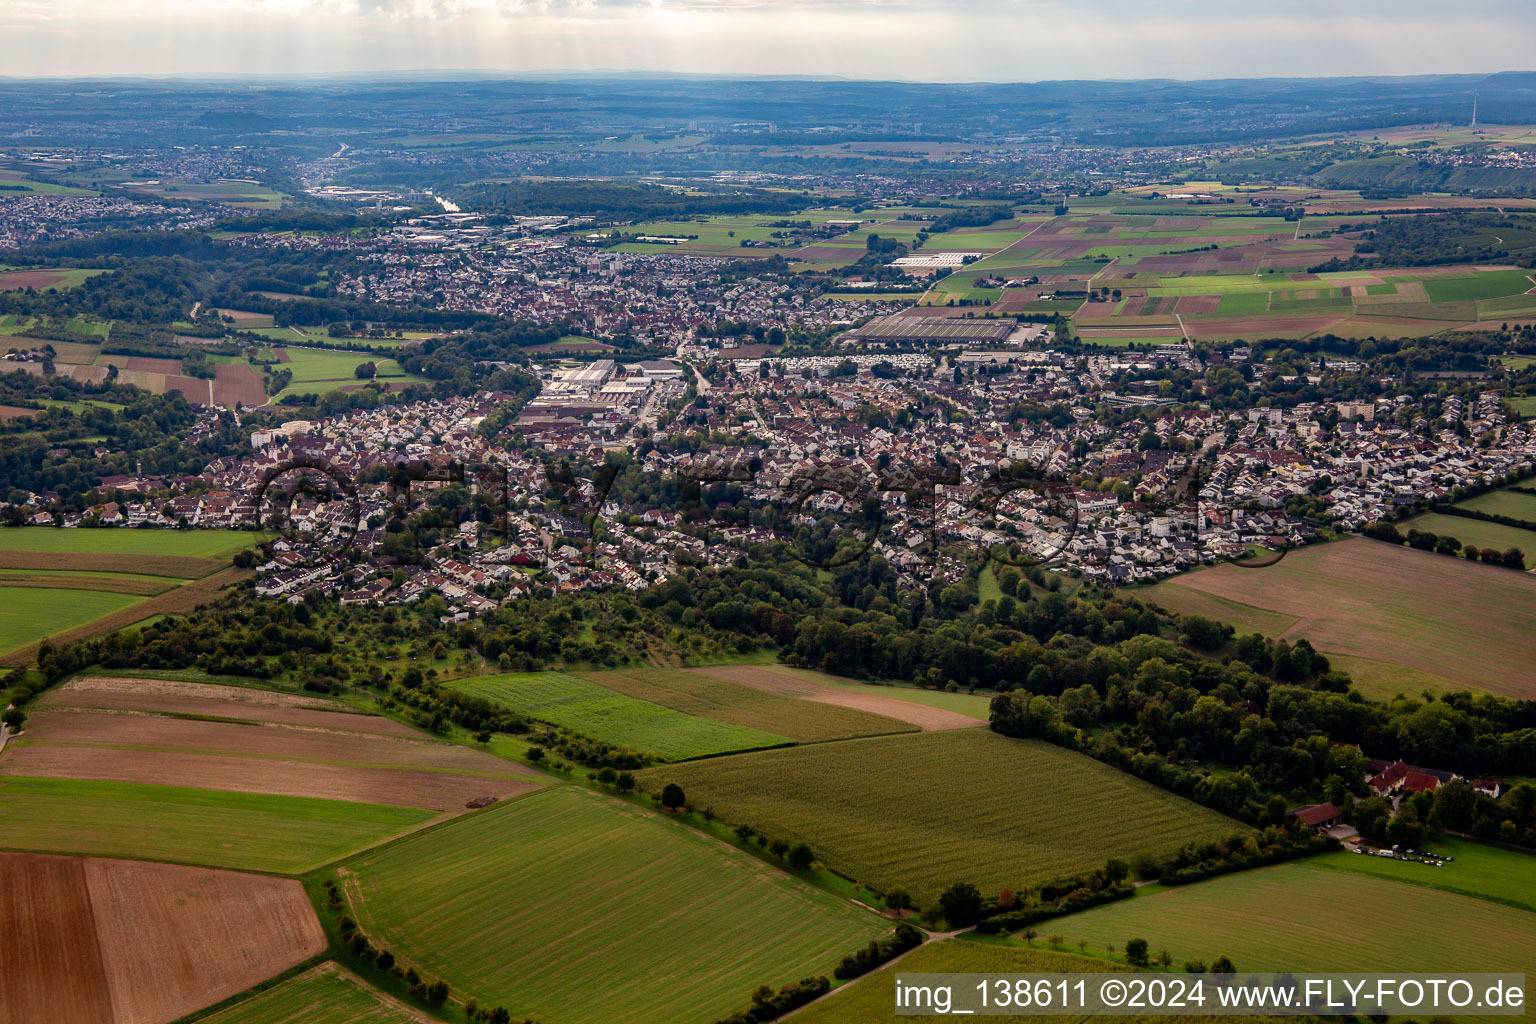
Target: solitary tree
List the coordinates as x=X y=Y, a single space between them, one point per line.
x=800 y=856
x=898 y=900
x=672 y=796
x=1222 y=965
x=626 y=782
x=1136 y=952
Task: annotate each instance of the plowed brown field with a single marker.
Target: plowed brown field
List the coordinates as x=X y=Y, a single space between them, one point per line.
x=125 y=942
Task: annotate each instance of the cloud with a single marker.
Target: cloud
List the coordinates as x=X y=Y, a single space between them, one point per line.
x=961 y=40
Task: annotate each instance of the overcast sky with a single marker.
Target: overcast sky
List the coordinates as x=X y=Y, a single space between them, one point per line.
x=932 y=40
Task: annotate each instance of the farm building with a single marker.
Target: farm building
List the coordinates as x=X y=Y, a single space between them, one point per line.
x=1317 y=815
x=1402 y=777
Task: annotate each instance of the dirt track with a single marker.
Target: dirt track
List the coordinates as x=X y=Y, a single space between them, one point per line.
x=96 y=941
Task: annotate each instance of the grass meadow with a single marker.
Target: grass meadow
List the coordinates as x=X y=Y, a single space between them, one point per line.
x=1488 y=872
x=1303 y=917
x=33 y=612
x=316 y=371
x=586 y=707
x=872 y=998
x=568 y=904
x=699 y=694
x=251 y=831
x=1476 y=533
x=923 y=811
x=190 y=543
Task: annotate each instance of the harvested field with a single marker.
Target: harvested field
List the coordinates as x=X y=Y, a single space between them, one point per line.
x=17 y=280
x=928 y=719
x=128 y=942
x=705 y=693
x=236 y=384
x=172 y=566
x=1390 y=604
x=210 y=699
x=193 y=389
x=147 y=364
x=107 y=583
x=924 y=811
x=1196 y=304
x=257 y=756
x=11 y=412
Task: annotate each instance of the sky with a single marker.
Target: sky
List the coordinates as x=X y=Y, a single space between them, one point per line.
x=913 y=40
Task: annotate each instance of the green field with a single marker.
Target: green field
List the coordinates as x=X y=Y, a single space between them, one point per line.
x=256 y=832
x=32 y=613
x=923 y=811
x=1488 y=872
x=193 y=543
x=567 y=904
x=1301 y=917
x=1475 y=532
x=695 y=693
x=1515 y=504
x=871 y=999
x=316 y=371
x=1489 y=284
x=1384 y=604
x=562 y=699
x=321 y=995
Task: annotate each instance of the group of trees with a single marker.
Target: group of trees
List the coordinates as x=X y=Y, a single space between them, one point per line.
x=1444 y=544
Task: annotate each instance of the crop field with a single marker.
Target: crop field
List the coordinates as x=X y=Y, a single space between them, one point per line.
x=567 y=903
x=251 y=831
x=1488 y=872
x=126 y=942
x=33 y=612
x=316 y=371
x=1301 y=917
x=922 y=812
x=702 y=692
x=1387 y=605
x=925 y=709
x=13 y=279
x=161 y=732
x=576 y=703
x=872 y=997
x=178 y=600
x=73 y=583
x=972 y=705
x=188 y=543
x=326 y=994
